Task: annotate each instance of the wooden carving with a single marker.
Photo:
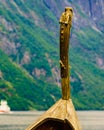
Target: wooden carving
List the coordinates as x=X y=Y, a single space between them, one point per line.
x=62 y=115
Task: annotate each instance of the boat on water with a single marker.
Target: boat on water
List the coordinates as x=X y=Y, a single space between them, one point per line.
x=4 y=108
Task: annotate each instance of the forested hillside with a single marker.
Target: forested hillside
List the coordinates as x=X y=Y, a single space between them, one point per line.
x=29 y=53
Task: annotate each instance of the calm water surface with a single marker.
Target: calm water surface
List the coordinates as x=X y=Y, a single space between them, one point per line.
x=89 y=120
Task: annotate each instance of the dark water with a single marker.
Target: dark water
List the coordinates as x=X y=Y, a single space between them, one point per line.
x=89 y=120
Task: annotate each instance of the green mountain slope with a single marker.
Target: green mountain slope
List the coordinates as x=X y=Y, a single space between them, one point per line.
x=29 y=34
x=21 y=90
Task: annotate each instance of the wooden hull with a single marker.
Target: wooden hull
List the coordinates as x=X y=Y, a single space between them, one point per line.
x=61 y=116
x=54 y=125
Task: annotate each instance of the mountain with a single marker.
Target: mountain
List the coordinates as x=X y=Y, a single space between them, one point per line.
x=29 y=53
x=21 y=90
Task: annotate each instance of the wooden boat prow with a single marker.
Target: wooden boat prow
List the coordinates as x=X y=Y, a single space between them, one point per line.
x=62 y=115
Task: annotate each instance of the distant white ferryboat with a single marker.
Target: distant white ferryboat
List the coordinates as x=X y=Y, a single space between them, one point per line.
x=4 y=108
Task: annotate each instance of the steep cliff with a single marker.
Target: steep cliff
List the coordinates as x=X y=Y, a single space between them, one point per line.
x=29 y=35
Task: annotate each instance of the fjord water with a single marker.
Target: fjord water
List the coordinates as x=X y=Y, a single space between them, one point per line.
x=89 y=120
